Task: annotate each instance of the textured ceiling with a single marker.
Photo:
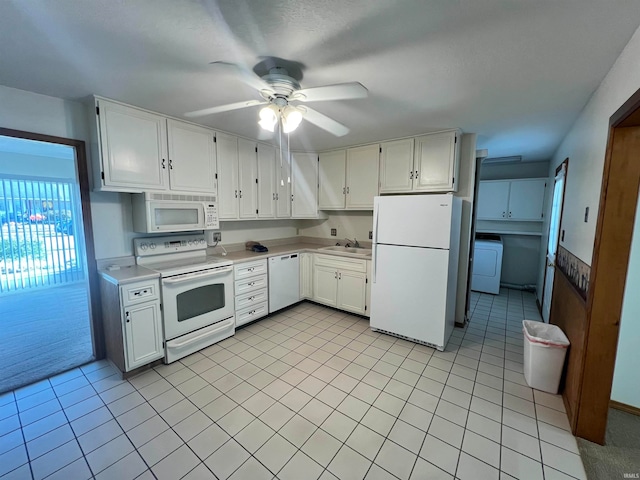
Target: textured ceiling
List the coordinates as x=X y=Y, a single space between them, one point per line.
x=516 y=72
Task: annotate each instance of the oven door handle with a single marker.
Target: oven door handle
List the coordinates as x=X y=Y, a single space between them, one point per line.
x=196 y=276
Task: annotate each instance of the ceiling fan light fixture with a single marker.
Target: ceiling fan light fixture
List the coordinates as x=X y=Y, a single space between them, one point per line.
x=291 y=118
x=268 y=118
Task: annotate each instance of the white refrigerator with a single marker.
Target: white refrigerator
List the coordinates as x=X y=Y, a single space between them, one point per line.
x=416 y=240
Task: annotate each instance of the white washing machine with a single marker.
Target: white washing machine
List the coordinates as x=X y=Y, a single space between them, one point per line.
x=487 y=264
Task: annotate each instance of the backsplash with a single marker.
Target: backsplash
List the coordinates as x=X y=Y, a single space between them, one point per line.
x=575 y=270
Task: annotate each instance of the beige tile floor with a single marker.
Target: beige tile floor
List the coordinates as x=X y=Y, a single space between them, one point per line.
x=308 y=393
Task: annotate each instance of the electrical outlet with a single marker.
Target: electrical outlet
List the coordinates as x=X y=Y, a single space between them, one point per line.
x=334 y=232
x=217 y=236
x=370 y=235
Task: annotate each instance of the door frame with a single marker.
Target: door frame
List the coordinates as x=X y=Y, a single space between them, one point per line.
x=544 y=276
x=609 y=266
x=95 y=319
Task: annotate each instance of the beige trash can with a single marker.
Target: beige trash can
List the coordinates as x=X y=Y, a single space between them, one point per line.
x=545 y=348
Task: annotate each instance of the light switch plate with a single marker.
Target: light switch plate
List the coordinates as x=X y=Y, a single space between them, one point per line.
x=370 y=235
x=334 y=232
x=217 y=236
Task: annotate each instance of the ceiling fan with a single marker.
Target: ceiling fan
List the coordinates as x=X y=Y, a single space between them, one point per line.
x=279 y=89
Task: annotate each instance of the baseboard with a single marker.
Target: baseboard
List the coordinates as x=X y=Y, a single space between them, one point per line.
x=624 y=407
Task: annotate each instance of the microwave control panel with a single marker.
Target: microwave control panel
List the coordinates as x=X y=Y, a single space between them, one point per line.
x=211 y=220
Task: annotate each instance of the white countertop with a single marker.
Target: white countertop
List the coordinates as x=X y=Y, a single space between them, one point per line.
x=128 y=274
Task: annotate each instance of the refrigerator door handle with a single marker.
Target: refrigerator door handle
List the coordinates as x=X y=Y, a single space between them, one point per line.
x=375 y=242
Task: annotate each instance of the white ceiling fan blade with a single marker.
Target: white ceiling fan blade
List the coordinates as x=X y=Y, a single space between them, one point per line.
x=224 y=108
x=244 y=75
x=341 y=91
x=324 y=122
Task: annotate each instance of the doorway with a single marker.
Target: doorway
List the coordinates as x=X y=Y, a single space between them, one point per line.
x=47 y=263
x=554 y=237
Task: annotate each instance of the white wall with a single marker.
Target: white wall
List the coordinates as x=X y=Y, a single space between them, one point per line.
x=257 y=230
x=626 y=386
x=347 y=224
x=585 y=145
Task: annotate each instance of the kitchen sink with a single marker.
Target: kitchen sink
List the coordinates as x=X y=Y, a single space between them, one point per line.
x=364 y=252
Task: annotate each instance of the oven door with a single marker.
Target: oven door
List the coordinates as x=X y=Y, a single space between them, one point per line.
x=176 y=216
x=196 y=300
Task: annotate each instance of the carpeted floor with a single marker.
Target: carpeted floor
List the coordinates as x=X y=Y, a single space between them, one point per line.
x=621 y=452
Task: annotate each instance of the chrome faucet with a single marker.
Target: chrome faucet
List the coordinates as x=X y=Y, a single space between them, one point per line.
x=355 y=243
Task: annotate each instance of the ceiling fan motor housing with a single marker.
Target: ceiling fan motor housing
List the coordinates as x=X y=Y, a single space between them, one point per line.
x=281 y=83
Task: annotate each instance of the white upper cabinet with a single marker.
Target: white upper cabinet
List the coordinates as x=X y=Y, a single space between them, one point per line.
x=348 y=178
x=432 y=166
x=304 y=185
x=520 y=200
x=227 y=153
x=332 y=190
x=266 y=181
x=493 y=200
x=362 y=177
x=139 y=151
x=283 y=184
x=396 y=166
x=132 y=148
x=247 y=178
x=192 y=158
x=436 y=162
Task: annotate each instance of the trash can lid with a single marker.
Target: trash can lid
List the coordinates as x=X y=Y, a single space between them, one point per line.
x=545 y=334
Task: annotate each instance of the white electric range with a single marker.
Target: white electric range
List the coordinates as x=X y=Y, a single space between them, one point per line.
x=197 y=292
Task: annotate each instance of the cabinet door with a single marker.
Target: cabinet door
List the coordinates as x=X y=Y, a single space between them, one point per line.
x=331 y=173
x=227 y=153
x=526 y=199
x=304 y=185
x=306 y=275
x=325 y=285
x=192 y=158
x=362 y=177
x=283 y=184
x=266 y=181
x=493 y=200
x=143 y=334
x=247 y=178
x=435 y=162
x=396 y=166
x=133 y=146
x=352 y=290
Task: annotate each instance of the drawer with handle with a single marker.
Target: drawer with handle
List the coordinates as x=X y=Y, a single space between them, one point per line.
x=252 y=298
x=251 y=313
x=250 y=269
x=251 y=284
x=139 y=292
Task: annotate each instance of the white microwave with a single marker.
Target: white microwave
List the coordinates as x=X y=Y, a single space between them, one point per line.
x=165 y=212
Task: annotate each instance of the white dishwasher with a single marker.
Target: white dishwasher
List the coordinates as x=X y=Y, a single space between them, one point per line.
x=284 y=281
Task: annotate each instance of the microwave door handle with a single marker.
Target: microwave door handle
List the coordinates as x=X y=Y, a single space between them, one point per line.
x=197 y=275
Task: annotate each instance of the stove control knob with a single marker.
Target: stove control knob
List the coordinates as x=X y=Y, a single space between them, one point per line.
x=143 y=246
x=190 y=242
x=152 y=246
x=202 y=241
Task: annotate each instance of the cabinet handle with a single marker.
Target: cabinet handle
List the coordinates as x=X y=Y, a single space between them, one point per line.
x=335 y=275
x=128 y=318
x=340 y=276
x=504 y=214
x=277 y=196
x=416 y=176
x=240 y=193
x=273 y=196
x=509 y=214
x=250 y=269
x=251 y=299
x=236 y=193
x=163 y=166
x=411 y=175
x=344 y=190
x=251 y=284
x=170 y=164
x=347 y=189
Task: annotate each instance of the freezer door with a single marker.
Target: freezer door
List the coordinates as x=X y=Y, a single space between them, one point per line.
x=409 y=292
x=415 y=220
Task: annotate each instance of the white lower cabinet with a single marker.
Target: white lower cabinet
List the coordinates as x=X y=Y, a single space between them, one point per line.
x=132 y=323
x=143 y=334
x=340 y=282
x=251 y=291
